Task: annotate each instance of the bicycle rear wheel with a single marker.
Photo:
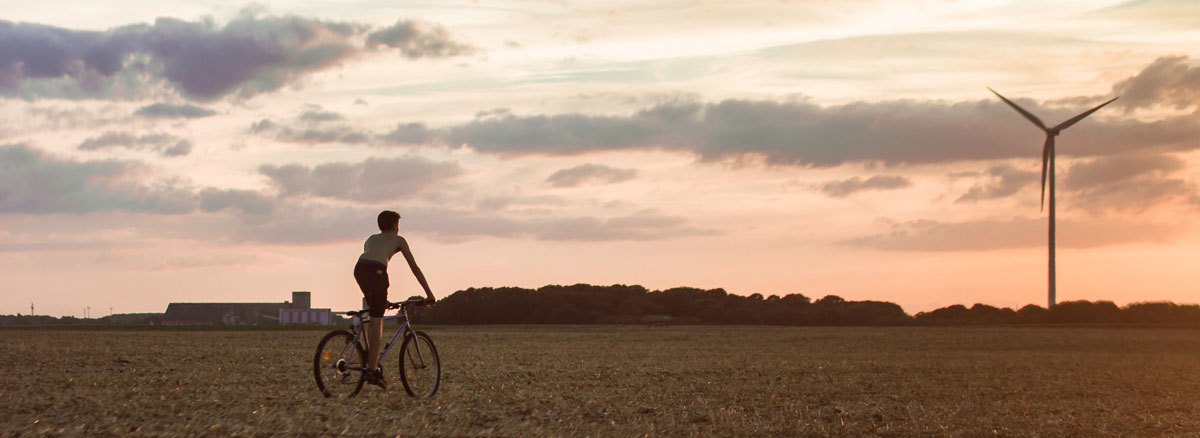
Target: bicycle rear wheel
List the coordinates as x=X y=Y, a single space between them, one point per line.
x=338 y=365
x=420 y=368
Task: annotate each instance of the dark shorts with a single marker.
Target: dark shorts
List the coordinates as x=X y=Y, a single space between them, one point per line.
x=373 y=280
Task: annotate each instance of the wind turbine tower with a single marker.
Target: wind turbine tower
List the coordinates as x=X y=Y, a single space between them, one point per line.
x=1048 y=165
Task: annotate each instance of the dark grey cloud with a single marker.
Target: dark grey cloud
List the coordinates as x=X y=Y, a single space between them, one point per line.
x=1019 y=232
x=419 y=39
x=798 y=132
x=263 y=126
x=37 y=51
x=169 y=111
x=318 y=115
x=847 y=187
x=805 y=134
x=313 y=131
x=376 y=179
x=72 y=117
x=408 y=134
x=166 y=145
x=1002 y=181
x=313 y=125
x=1129 y=182
x=590 y=174
x=249 y=55
x=1168 y=81
x=1119 y=169
x=33 y=182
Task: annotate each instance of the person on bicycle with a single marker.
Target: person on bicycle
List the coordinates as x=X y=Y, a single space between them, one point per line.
x=371 y=274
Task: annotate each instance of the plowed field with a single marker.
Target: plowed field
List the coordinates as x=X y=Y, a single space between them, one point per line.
x=617 y=381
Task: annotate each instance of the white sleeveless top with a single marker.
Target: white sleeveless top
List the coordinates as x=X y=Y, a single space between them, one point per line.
x=381 y=247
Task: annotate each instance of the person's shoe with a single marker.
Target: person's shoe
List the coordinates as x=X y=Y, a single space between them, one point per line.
x=375 y=377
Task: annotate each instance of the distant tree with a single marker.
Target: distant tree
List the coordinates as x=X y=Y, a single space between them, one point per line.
x=1084 y=312
x=985 y=314
x=830 y=300
x=1160 y=313
x=1032 y=314
x=955 y=314
x=873 y=313
x=795 y=300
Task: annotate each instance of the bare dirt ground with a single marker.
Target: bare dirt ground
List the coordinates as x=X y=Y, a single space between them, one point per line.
x=617 y=381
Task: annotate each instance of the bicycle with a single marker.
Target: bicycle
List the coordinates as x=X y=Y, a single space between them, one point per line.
x=340 y=361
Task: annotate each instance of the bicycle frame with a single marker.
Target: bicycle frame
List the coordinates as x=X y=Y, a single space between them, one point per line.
x=356 y=327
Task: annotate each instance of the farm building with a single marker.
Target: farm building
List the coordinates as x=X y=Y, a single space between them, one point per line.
x=298 y=311
x=304 y=316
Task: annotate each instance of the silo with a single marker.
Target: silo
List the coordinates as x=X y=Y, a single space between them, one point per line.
x=302 y=299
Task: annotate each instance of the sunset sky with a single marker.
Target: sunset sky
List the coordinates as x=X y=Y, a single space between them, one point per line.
x=165 y=151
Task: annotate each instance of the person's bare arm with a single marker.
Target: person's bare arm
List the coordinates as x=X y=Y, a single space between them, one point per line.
x=416 y=270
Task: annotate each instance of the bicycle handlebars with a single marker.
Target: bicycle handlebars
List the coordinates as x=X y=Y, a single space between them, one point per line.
x=391 y=306
x=408 y=302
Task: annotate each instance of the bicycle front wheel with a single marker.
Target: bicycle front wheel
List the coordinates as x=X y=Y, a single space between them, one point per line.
x=420 y=368
x=338 y=365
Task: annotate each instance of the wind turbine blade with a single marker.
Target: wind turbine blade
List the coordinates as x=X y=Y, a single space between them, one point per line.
x=1027 y=114
x=1068 y=123
x=1047 y=149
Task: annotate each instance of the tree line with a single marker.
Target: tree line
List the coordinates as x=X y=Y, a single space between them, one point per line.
x=1070 y=312
x=622 y=304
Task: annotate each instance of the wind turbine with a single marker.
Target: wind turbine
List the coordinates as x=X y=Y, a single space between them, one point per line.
x=1048 y=164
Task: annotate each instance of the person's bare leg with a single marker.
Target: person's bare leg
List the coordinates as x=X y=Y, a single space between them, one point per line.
x=374 y=338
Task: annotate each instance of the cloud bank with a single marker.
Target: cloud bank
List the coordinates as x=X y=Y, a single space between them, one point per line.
x=166 y=145
x=297 y=210
x=419 y=39
x=801 y=133
x=1168 y=81
x=1127 y=183
x=200 y=60
x=1002 y=181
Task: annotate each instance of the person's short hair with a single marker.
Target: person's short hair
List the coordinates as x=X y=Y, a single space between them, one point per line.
x=387 y=220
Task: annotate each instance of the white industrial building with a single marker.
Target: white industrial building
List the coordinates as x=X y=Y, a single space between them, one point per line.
x=304 y=316
x=301 y=312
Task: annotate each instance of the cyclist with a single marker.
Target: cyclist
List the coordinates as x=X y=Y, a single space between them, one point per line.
x=371 y=274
